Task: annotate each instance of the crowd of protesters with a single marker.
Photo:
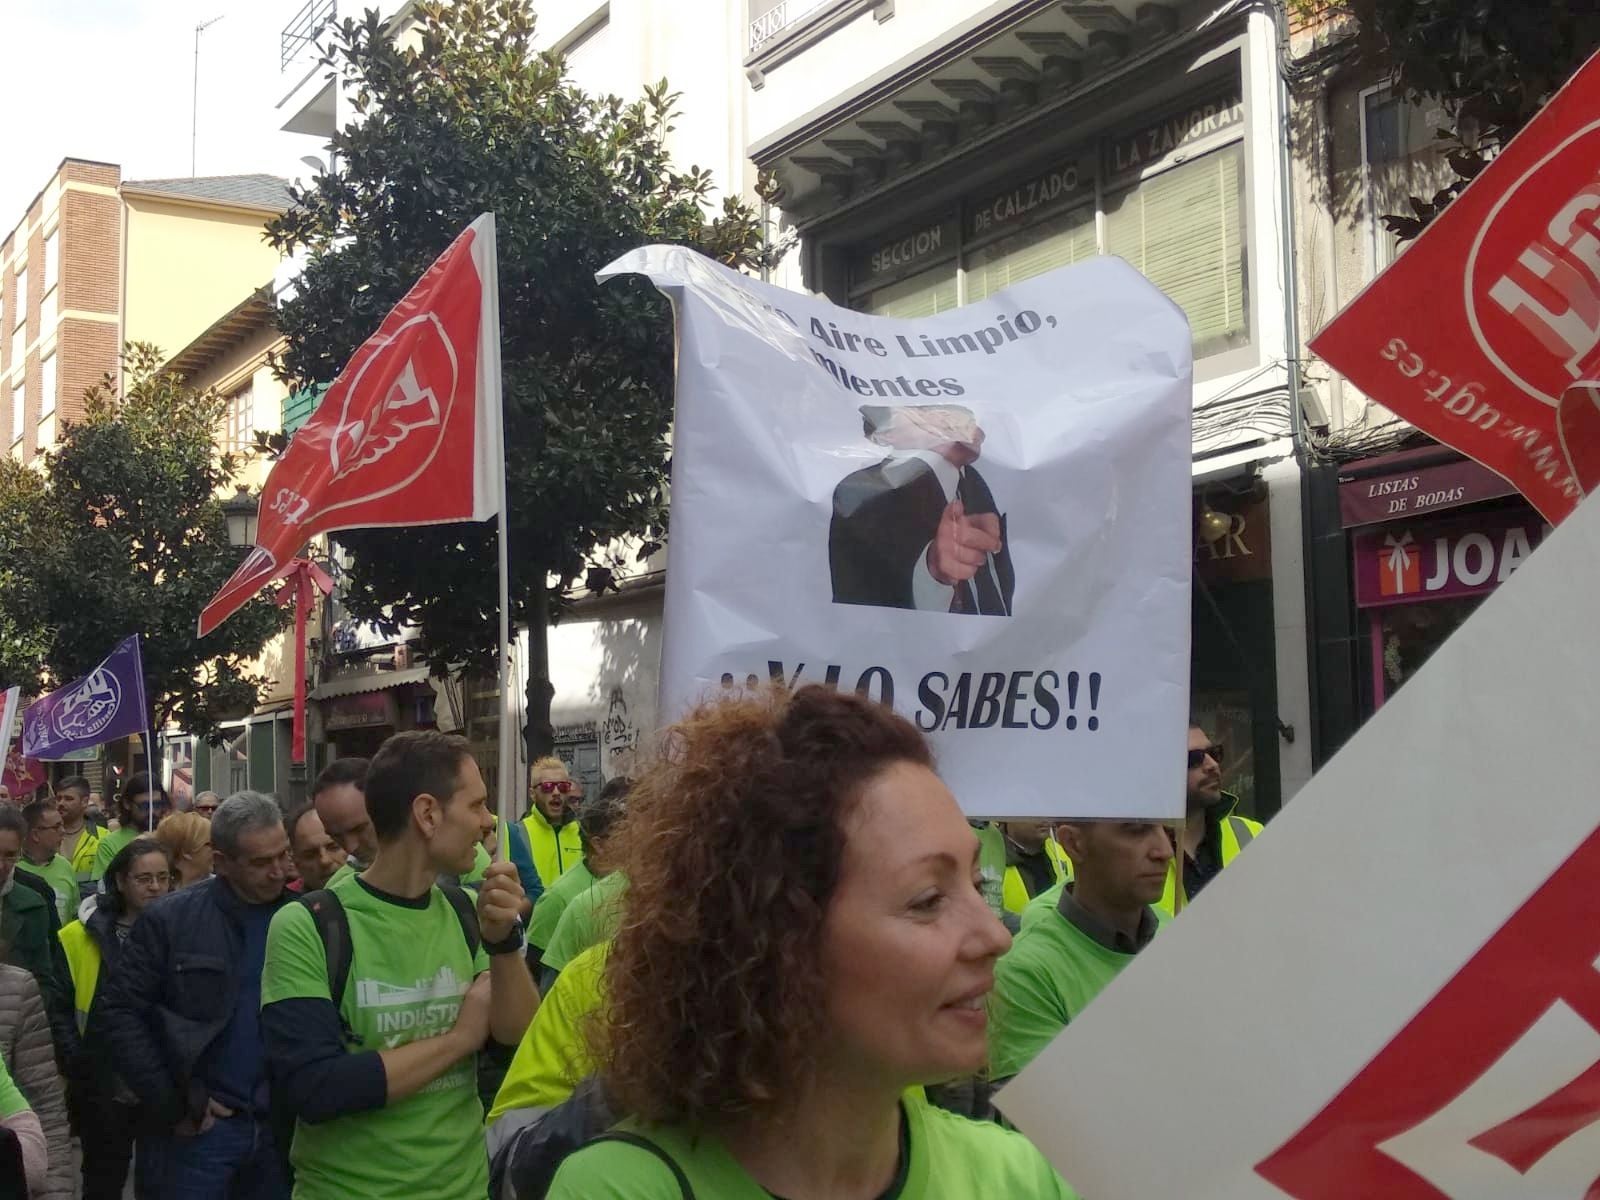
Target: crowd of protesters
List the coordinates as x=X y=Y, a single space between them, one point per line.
x=779 y=963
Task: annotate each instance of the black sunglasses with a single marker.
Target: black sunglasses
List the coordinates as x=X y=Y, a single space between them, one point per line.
x=1197 y=757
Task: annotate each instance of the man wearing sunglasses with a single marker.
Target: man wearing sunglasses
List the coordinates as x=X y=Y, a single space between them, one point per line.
x=551 y=821
x=1213 y=834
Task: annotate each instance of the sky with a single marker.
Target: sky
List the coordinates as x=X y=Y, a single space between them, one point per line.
x=112 y=80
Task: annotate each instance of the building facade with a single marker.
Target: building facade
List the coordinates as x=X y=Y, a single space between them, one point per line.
x=1404 y=537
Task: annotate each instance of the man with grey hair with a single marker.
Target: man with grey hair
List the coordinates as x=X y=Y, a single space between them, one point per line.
x=180 y=1014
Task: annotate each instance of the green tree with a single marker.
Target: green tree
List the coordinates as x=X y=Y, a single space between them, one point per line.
x=1492 y=64
x=466 y=118
x=125 y=534
x=24 y=637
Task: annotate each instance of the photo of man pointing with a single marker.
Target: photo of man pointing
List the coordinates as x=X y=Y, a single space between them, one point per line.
x=920 y=529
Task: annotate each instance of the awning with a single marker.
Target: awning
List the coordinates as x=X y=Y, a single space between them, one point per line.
x=1411 y=483
x=376 y=681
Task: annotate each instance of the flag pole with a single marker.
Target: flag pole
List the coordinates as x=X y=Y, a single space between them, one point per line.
x=490 y=334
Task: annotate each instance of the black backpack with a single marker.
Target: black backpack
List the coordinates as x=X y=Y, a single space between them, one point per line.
x=525 y=1166
x=333 y=927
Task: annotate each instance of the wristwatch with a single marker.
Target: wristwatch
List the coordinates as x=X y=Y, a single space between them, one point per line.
x=510 y=944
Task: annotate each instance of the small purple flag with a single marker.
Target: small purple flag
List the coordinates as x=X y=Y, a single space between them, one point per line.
x=104 y=705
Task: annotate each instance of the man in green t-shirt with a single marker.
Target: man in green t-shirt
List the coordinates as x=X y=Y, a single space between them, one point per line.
x=140 y=806
x=339 y=796
x=1059 y=963
x=382 y=1081
x=595 y=823
x=41 y=856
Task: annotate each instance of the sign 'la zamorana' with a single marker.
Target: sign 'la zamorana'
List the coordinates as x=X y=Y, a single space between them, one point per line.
x=1478 y=331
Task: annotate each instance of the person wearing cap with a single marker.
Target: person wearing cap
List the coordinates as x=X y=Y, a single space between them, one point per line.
x=920 y=529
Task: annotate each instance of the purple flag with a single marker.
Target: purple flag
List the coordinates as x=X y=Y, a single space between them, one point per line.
x=104 y=705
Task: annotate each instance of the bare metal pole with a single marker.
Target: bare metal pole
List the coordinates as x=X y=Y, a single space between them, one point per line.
x=194 y=104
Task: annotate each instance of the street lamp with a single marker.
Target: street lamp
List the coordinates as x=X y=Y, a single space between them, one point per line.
x=240 y=511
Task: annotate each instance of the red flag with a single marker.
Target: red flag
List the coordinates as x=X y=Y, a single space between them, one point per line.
x=1477 y=332
x=409 y=434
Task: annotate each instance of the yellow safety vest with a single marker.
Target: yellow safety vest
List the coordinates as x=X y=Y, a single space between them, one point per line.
x=83 y=960
x=1015 y=893
x=1237 y=833
x=554 y=850
x=82 y=859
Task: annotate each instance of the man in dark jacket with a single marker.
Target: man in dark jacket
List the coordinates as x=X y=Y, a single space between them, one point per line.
x=181 y=1011
x=29 y=929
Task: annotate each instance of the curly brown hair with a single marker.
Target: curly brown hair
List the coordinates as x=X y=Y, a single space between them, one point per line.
x=732 y=846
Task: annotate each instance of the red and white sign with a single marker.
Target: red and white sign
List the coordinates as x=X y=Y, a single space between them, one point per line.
x=409 y=434
x=1394 y=991
x=1477 y=332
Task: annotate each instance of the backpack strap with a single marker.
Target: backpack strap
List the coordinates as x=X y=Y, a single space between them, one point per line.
x=333 y=927
x=466 y=913
x=644 y=1143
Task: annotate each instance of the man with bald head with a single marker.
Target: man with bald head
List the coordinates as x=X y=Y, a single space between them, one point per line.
x=920 y=528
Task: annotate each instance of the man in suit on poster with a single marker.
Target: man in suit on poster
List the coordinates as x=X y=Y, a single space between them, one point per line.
x=920 y=529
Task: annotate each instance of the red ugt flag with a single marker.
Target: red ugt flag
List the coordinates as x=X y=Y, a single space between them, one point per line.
x=1477 y=333
x=409 y=434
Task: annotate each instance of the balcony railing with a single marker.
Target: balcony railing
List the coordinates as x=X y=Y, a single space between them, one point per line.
x=303 y=28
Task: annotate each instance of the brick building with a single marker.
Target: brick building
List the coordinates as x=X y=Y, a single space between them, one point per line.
x=96 y=260
x=60 y=289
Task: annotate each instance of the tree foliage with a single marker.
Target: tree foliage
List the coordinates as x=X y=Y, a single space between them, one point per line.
x=462 y=118
x=1492 y=64
x=122 y=532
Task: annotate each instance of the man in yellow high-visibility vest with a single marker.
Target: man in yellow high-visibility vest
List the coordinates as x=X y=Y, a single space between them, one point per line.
x=552 y=819
x=1213 y=834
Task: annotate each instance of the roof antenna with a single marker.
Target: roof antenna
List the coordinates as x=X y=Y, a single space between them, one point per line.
x=194 y=118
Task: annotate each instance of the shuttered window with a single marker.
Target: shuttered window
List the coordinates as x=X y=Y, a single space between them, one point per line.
x=1058 y=242
x=923 y=295
x=1184 y=229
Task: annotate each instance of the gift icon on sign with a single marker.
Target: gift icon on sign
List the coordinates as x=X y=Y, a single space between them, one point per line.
x=1399 y=566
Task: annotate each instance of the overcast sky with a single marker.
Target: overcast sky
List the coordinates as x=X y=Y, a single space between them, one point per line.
x=112 y=80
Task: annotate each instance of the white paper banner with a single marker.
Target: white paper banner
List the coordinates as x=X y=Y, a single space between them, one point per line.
x=1394 y=991
x=983 y=515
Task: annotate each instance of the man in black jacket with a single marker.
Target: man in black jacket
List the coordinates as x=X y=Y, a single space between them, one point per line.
x=181 y=1011
x=920 y=529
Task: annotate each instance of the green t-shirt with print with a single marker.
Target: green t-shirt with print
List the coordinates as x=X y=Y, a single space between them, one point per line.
x=553 y=901
x=110 y=843
x=410 y=965
x=951 y=1158
x=590 y=918
x=63 y=881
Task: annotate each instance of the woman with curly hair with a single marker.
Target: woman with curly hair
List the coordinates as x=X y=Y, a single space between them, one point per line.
x=803 y=942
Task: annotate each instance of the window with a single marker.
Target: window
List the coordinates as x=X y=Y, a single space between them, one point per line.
x=52 y=261
x=47 y=387
x=19 y=347
x=239 y=431
x=47 y=432
x=1184 y=229
x=919 y=296
x=19 y=400
x=1400 y=157
x=1057 y=242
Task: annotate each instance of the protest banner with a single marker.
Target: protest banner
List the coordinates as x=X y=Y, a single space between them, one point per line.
x=106 y=704
x=981 y=517
x=1478 y=330
x=1393 y=992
